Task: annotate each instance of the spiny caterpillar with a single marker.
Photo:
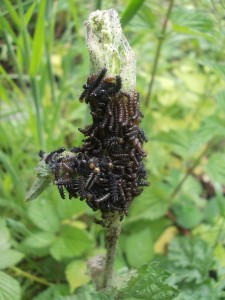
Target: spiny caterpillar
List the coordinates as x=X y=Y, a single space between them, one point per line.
x=107 y=171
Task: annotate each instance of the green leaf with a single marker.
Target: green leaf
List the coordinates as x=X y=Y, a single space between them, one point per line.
x=102 y=295
x=55 y=292
x=184 y=18
x=149 y=283
x=130 y=11
x=139 y=247
x=7 y=163
x=151 y=204
x=214 y=208
x=218 y=67
x=5 y=236
x=187 y=213
x=180 y=140
x=76 y=274
x=70 y=209
x=220 y=99
x=202 y=292
x=211 y=126
x=70 y=242
x=30 y=12
x=38 y=41
x=44 y=178
x=43 y=214
x=15 y=17
x=39 y=240
x=39 y=185
x=9 y=258
x=9 y=288
x=215 y=167
x=190 y=259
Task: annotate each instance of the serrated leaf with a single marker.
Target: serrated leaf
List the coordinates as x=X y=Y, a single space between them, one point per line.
x=76 y=274
x=215 y=167
x=44 y=178
x=43 y=214
x=202 y=292
x=9 y=288
x=149 y=283
x=191 y=259
x=139 y=247
x=9 y=258
x=102 y=295
x=39 y=240
x=70 y=242
x=210 y=127
x=39 y=185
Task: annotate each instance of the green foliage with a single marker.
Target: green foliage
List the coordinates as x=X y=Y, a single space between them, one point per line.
x=195 y=270
x=130 y=11
x=139 y=247
x=45 y=244
x=149 y=283
x=9 y=288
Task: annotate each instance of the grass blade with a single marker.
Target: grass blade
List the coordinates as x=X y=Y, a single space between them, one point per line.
x=130 y=11
x=38 y=41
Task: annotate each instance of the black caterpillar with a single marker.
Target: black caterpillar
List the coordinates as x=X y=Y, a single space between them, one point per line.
x=107 y=171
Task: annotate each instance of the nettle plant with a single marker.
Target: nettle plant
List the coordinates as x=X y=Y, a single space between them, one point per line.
x=107 y=170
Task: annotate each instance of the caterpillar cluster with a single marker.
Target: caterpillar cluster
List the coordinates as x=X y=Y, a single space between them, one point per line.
x=107 y=171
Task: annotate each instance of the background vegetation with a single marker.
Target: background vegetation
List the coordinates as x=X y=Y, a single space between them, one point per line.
x=178 y=221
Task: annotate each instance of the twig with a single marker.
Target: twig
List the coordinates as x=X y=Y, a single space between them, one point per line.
x=158 y=50
x=189 y=171
x=30 y=276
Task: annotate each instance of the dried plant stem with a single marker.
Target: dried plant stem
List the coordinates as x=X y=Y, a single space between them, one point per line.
x=112 y=236
x=157 y=55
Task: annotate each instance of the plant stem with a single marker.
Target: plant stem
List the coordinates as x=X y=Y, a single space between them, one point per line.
x=30 y=276
x=157 y=55
x=112 y=236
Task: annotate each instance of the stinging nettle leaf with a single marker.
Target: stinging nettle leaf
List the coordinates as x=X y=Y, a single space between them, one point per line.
x=191 y=259
x=149 y=283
